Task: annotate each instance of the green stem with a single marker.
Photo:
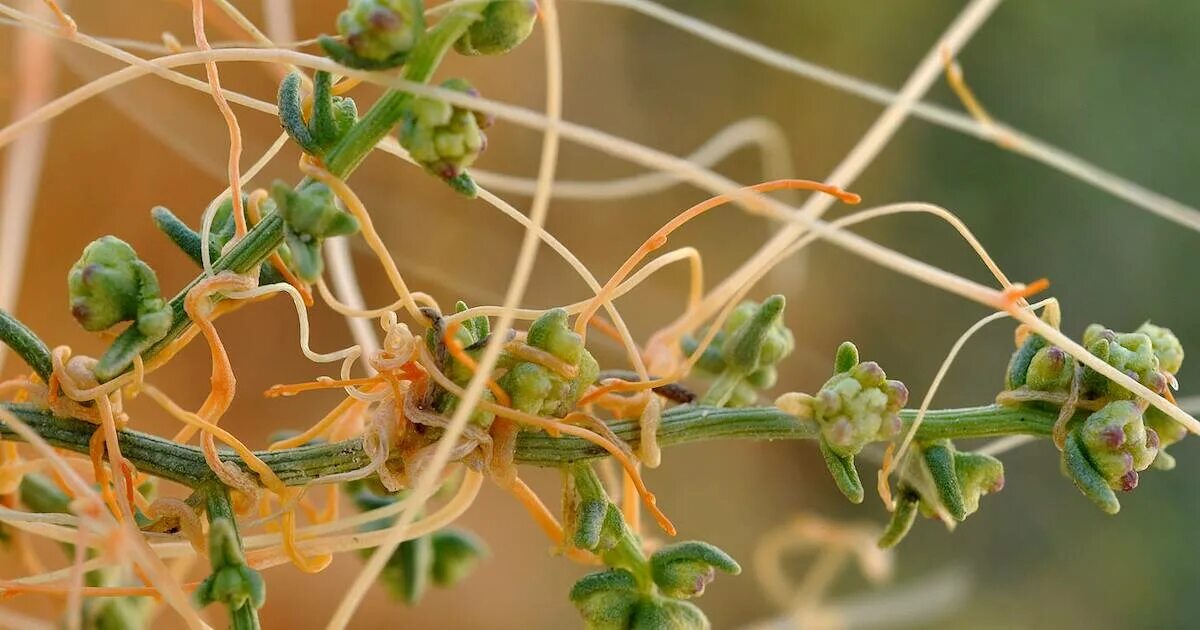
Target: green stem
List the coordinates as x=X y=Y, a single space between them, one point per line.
x=358 y=142
x=626 y=552
x=680 y=425
x=341 y=161
x=219 y=505
x=27 y=345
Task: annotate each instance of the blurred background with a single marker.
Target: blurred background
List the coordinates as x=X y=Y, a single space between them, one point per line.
x=1110 y=81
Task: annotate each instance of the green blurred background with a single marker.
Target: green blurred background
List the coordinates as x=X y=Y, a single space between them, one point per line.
x=1111 y=81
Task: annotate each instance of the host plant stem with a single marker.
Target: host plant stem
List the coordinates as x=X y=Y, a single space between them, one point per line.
x=680 y=425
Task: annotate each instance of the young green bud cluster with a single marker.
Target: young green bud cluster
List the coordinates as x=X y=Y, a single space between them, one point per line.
x=1131 y=353
x=109 y=284
x=444 y=138
x=503 y=26
x=635 y=592
x=1105 y=452
x=310 y=215
x=232 y=581
x=744 y=354
x=376 y=34
x=856 y=406
x=611 y=600
x=538 y=389
x=532 y=387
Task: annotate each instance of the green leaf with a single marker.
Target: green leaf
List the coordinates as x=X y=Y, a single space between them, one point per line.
x=841 y=468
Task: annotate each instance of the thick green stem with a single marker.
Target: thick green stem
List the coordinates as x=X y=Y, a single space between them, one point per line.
x=27 y=345
x=680 y=425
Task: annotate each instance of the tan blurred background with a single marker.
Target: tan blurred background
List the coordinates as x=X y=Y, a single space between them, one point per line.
x=1111 y=81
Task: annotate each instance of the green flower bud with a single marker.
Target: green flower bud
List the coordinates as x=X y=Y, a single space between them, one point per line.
x=1106 y=452
x=443 y=138
x=534 y=388
x=109 y=285
x=1050 y=370
x=852 y=408
x=607 y=599
x=668 y=614
x=756 y=336
x=503 y=26
x=856 y=406
x=1118 y=443
x=376 y=34
x=1018 y=366
x=550 y=333
x=310 y=215
x=1131 y=353
x=744 y=353
x=1166 y=347
x=529 y=385
x=236 y=587
x=684 y=569
x=332 y=116
x=455 y=554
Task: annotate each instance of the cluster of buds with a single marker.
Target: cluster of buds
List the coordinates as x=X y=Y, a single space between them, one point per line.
x=232 y=582
x=503 y=25
x=545 y=375
x=330 y=119
x=744 y=354
x=858 y=405
x=109 y=284
x=1106 y=451
x=1103 y=452
x=959 y=480
x=1131 y=353
x=445 y=139
x=444 y=558
x=310 y=215
x=539 y=389
x=376 y=34
x=613 y=599
x=636 y=591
